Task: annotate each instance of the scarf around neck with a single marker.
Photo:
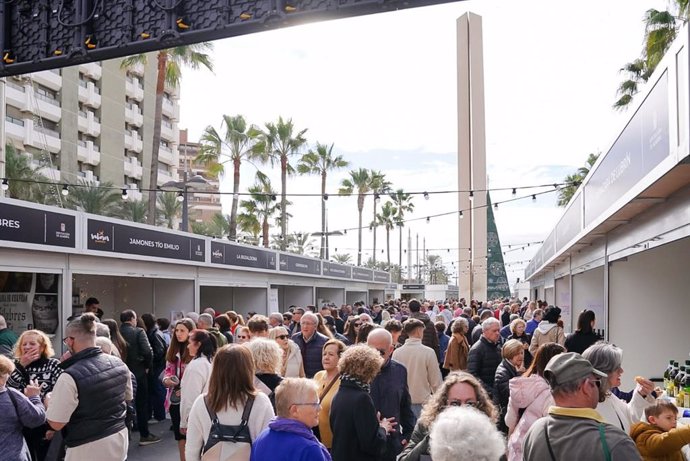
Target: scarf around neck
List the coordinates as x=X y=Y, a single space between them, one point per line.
x=345 y=378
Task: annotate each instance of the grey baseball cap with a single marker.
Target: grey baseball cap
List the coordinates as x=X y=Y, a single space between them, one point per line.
x=568 y=367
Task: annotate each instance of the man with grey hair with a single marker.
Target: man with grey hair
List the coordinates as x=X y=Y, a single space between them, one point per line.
x=485 y=354
x=205 y=322
x=7 y=338
x=310 y=343
x=275 y=319
x=574 y=430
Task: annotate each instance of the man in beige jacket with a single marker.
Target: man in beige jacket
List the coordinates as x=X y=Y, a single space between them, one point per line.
x=423 y=373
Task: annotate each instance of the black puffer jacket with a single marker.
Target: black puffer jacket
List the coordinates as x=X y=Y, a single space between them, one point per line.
x=504 y=373
x=483 y=359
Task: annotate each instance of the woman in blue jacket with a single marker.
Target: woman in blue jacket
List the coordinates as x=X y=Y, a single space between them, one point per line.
x=288 y=436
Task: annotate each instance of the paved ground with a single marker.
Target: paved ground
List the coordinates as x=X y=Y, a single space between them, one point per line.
x=166 y=449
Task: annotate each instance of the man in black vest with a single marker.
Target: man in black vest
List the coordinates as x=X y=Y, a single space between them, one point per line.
x=88 y=400
x=140 y=362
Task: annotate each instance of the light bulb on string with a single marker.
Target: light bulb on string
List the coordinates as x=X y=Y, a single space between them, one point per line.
x=65 y=190
x=426 y=195
x=325 y=197
x=124 y=194
x=461 y=216
x=5 y=184
x=377 y=196
x=496 y=206
x=428 y=219
x=180 y=197
x=514 y=191
x=534 y=197
x=471 y=195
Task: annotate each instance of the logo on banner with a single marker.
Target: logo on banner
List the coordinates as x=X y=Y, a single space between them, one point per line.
x=11 y=223
x=217 y=254
x=62 y=233
x=100 y=237
x=198 y=251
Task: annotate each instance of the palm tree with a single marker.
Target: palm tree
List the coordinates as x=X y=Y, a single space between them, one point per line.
x=22 y=178
x=133 y=210
x=249 y=224
x=379 y=185
x=574 y=180
x=103 y=199
x=403 y=204
x=360 y=180
x=239 y=141
x=261 y=204
x=321 y=162
x=661 y=28
x=169 y=208
x=343 y=258
x=277 y=143
x=387 y=219
x=170 y=62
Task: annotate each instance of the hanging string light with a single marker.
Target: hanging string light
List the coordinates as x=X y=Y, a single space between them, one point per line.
x=124 y=194
x=180 y=197
x=65 y=190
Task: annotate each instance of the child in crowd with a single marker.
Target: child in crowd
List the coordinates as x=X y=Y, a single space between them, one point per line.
x=658 y=439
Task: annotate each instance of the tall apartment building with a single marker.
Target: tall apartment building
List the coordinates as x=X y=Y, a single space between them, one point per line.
x=93 y=122
x=203 y=205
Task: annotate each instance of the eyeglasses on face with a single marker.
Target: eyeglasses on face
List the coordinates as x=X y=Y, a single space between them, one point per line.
x=310 y=404
x=282 y=337
x=358 y=324
x=460 y=403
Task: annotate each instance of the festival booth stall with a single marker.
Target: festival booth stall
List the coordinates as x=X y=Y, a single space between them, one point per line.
x=52 y=260
x=621 y=247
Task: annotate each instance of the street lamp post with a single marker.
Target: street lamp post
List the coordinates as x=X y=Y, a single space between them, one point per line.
x=196 y=182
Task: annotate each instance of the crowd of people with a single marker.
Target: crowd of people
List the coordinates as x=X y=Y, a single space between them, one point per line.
x=400 y=381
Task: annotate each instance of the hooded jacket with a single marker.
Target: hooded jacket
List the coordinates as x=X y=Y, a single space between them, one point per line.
x=545 y=333
x=657 y=445
x=530 y=395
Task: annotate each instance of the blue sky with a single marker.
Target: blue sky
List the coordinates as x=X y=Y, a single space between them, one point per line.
x=382 y=88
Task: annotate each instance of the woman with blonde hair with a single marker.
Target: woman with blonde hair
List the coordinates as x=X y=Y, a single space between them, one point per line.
x=242 y=335
x=292 y=366
x=268 y=359
x=511 y=366
x=231 y=397
x=34 y=363
x=358 y=433
x=458 y=389
x=328 y=381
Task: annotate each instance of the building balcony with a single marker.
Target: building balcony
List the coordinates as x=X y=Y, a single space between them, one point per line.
x=49 y=79
x=89 y=177
x=15 y=129
x=133 y=168
x=171 y=109
x=133 y=193
x=137 y=69
x=52 y=174
x=41 y=138
x=134 y=90
x=23 y=97
x=165 y=176
x=167 y=156
x=133 y=115
x=89 y=94
x=169 y=133
x=88 y=153
x=92 y=70
x=133 y=142
x=89 y=123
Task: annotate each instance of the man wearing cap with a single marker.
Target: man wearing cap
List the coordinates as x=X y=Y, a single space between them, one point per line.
x=573 y=430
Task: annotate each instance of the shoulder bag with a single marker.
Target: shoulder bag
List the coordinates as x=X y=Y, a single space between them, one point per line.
x=238 y=435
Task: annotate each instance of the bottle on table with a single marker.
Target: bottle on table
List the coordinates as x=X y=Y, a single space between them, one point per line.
x=667 y=374
x=678 y=386
x=672 y=380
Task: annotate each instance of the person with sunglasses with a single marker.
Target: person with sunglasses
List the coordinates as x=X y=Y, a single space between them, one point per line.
x=608 y=359
x=458 y=389
x=391 y=395
x=574 y=430
x=292 y=366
